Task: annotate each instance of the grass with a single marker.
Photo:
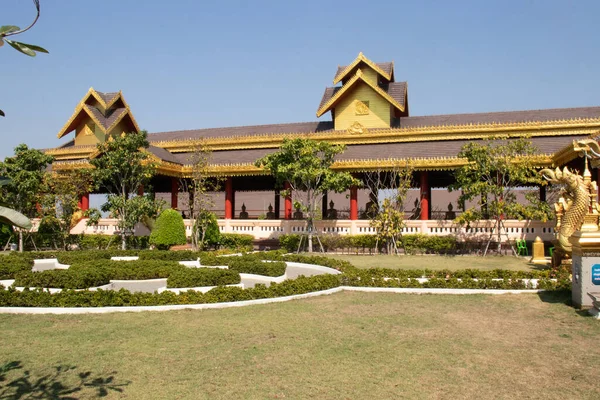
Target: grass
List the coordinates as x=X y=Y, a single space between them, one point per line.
x=343 y=346
x=436 y=262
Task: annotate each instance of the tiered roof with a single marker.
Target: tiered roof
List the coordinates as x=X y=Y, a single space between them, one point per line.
x=434 y=141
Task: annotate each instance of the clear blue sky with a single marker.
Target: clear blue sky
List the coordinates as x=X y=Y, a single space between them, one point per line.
x=185 y=64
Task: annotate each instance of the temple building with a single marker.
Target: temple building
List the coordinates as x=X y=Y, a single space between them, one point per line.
x=369 y=113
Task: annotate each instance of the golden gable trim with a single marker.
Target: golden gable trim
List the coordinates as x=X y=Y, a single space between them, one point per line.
x=371 y=64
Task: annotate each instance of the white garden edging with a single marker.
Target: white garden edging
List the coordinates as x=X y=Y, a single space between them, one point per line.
x=105 y=310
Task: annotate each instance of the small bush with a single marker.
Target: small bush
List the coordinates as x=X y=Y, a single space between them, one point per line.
x=194 y=277
x=258 y=267
x=236 y=241
x=169 y=230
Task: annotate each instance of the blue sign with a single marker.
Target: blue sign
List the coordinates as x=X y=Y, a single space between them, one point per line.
x=596 y=274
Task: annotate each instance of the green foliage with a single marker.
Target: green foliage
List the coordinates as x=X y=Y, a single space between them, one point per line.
x=25 y=185
x=306 y=165
x=208 y=230
x=85 y=274
x=122 y=168
x=195 y=277
x=27 y=49
x=256 y=266
x=413 y=243
x=236 y=241
x=495 y=168
x=11 y=30
x=61 y=202
x=169 y=230
x=351 y=276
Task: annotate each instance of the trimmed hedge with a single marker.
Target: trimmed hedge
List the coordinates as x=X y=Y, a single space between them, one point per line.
x=97 y=273
x=258 y=267
x=169 y=230
x=236 y=241
x=351 y=276
x=413 y=243
x=194 y=277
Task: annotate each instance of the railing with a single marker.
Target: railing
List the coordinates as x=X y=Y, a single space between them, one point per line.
x=272 y=229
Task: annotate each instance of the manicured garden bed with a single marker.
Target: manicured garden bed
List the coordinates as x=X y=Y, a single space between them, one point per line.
x=93 y=268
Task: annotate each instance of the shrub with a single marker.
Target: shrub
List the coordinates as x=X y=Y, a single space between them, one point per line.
x=258 y=267
x=290 y=242
x=212 y=236
x=169 y=230
x=194 y=277
x=236 y=241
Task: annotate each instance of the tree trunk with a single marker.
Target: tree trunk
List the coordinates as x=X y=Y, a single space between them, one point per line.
x=123 y=242
x=20 y=241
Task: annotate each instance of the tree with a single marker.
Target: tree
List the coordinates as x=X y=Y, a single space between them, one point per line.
x=198 y=186
x=495 y=167
x=24 y=191
x=11 y=30
x=306 y=165
x=122 y=168
x=61 y=202
x=392 y=184
x=169 y=230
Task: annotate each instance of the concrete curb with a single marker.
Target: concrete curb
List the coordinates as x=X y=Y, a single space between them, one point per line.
x=105 y=310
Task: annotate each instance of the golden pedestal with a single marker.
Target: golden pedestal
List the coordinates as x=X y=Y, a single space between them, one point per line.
x=586 y=262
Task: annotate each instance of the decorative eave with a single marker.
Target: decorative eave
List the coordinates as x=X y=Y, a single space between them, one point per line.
x=358 y=60
x=392 y=135
x=358 y=76
x=569 y=153
x=587 y=126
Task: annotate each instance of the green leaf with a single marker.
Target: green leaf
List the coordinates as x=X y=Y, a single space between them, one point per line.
x=19 y=47
x=33 y=47
x=12 y=217
x=8 y=29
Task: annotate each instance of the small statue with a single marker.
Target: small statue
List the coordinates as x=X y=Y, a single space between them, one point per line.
x=298 y=214
x=243 y=213
x=416 y=214
x=332 y=212
x=450 y=214
x=270 y=213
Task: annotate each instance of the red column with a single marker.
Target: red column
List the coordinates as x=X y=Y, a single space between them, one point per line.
x=174 y=192
x=353 y=203
x=425 y=195
x=229 y=198
x=84 y=202
x=288 y=201
x=141 y=190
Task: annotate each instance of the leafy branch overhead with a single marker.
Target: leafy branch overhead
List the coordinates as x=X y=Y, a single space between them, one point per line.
x=25 y=48
x=11 y=30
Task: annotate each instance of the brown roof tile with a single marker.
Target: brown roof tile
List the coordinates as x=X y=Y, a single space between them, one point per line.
x=397 y=90
x=107 y=97
x=501 y=117
x=113 y=114
x=383 y=151
x=299 y=127
x=329 y=93
x=164 y=154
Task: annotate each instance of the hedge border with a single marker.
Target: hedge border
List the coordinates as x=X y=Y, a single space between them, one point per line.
x=244 y=303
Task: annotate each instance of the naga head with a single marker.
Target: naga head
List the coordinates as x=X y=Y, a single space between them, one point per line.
x=564 y=177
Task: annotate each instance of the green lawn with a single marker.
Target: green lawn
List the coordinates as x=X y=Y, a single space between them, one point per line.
x=343 y=346
x=436 y=262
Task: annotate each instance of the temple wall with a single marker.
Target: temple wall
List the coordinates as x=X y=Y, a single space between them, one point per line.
x=379 y=109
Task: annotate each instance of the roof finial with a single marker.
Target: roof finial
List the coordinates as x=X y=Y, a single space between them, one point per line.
x=360 y=54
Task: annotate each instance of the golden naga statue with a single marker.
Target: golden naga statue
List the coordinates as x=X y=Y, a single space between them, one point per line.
x=578 y=197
